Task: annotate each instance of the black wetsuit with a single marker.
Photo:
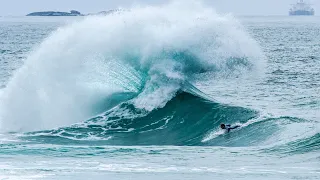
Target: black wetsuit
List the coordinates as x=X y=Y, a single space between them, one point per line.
x=228 y=127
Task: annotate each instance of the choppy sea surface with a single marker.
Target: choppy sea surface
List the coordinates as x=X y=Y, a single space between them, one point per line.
x=141 y=94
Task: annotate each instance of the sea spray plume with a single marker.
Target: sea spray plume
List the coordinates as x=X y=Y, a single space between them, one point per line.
x=148 y=51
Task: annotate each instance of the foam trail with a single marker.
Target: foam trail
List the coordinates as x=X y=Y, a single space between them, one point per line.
x=147 y=50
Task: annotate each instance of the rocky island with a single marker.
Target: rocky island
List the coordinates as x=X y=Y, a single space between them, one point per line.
x=55 y=13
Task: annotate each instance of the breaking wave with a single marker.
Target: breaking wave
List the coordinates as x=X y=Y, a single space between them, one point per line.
x=127 y=79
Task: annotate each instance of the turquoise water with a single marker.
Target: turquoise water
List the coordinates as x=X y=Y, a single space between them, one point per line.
x=140 y=94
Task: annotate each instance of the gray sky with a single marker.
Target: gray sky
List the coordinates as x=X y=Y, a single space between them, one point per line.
x=237 y=7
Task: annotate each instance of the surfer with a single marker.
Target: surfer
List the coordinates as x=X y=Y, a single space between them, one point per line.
x=228 y=127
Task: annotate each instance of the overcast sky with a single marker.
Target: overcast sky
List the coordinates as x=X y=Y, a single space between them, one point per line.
x=237 y=7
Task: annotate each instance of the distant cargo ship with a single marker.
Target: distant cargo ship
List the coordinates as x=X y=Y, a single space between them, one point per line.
x=301 y=9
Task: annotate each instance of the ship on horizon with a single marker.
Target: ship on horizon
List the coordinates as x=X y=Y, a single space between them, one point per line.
x=301 y=9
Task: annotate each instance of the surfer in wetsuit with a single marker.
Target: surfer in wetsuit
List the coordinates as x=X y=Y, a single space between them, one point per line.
x=228 y=127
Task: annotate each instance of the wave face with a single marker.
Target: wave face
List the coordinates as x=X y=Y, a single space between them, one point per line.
x=146 y=54
x=185 y=120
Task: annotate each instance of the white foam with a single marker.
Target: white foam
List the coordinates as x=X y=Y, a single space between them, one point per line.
x=78 y=65
x=216 y=133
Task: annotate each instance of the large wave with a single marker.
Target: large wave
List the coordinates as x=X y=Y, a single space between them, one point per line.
x=186 y=120
x=146 y=54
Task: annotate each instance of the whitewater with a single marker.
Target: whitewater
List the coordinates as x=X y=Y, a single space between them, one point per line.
x=140 y=93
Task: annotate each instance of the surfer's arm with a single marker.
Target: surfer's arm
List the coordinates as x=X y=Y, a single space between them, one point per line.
x=234 y=127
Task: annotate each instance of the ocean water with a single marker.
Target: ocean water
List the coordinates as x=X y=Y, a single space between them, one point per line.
x=140 y=94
